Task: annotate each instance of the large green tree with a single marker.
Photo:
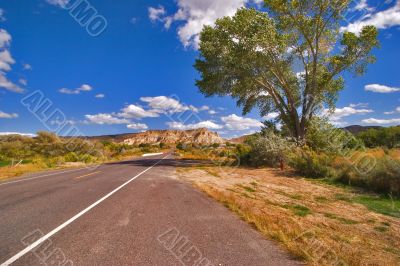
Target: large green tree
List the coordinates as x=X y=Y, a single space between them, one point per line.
x=287 y=59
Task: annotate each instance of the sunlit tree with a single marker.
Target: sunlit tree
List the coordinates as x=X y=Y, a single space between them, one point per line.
x=288 y=59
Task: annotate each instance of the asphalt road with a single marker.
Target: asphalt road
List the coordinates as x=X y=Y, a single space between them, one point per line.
x=127 y=213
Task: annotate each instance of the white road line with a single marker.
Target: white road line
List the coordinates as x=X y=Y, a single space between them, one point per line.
x=35 y=177
x=59 y=228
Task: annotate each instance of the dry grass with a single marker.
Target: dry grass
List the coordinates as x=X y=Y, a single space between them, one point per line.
x=9 y=172
x=316 y=222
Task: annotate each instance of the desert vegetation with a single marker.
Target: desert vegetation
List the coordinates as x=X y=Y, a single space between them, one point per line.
x=20 y=154
x=335 y=203
x=329 y=153
x=320 y=223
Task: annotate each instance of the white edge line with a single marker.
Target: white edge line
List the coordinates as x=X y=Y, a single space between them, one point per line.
x=60 y=227
x=35 y=177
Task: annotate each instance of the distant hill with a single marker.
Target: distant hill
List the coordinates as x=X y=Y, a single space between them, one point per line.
x=198 y=136
x=355 y=129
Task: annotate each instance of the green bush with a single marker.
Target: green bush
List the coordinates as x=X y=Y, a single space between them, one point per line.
x=309 y=163
x=324 y=137
x=71 y=157
x=267 y=149
x=180 y=146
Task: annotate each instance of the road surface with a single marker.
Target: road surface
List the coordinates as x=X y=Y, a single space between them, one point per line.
x=126 y=213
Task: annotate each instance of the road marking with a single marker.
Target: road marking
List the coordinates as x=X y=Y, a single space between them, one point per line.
x=35 y=177
x=82 y=176
x=60 y=227
x=151 y=154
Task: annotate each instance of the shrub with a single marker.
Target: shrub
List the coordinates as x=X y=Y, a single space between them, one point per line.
x=215 y=145
x=267 y=149
x=71 y=157
x=383 y=177
x=309 y=163
x=180 y=146
x=324 y=137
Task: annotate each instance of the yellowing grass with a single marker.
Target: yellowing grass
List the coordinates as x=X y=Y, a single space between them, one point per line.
x=317 y=222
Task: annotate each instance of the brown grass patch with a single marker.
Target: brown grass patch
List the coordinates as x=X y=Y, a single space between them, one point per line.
x=311 y=220
x=9 y=172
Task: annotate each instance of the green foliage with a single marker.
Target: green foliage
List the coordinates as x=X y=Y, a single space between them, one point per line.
x=324 y=137
x=215 y=145
x=268 y=149
x=252 y=55
x=243 y=153
x=311 y=164
x=383 y=137
x=180 y=146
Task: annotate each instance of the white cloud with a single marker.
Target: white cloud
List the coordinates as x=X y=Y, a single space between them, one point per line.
x=354 y=105
x=163 y=104
x=23 y=82
x=381 y=88
x=381 y=20
x=5 y=38
x=195 y=14
x=134 y=20
x=27 y=66
x=17 y=133
x=2 y=17
x=156 y=13
x=137 y=112
x=193 y=108
x=363 y=5
x=212 y=112
x=339 y=123
x=137 y=126
x=68 y=91
x=105 y=119
x=204 y=124
x=8 y=116
x=59 y=3
x=346 y=111
x=6 y=61
x=100 y=95
x=393 y=112
x=271 y=116
x=83 y=87
x=234 y=122
x=300 y=75
x=8 y=85
x=381 y=121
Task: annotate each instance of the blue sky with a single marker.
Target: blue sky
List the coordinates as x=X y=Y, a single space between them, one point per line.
x=137 y=74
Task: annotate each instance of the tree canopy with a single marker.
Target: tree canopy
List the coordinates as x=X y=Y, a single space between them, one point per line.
x=287 y=59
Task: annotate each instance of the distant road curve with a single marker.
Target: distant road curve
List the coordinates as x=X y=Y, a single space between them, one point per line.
x=152 y=154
